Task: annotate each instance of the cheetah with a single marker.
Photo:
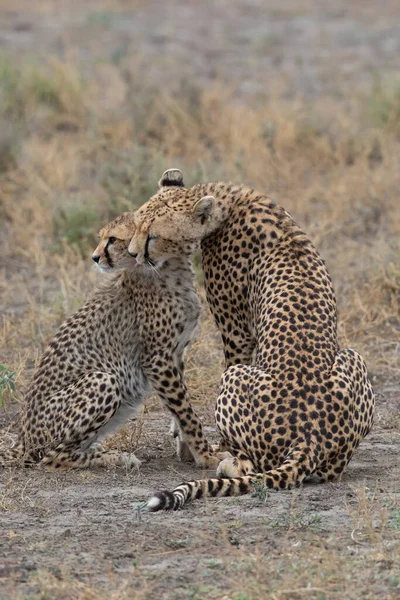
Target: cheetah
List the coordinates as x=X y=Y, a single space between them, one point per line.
x=291 y=403
x=128 y=339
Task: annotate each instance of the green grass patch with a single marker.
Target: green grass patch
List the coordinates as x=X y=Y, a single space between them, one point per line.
x=384 y=107
x=7 y=382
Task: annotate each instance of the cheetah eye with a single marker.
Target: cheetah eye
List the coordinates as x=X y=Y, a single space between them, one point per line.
x=111 y=240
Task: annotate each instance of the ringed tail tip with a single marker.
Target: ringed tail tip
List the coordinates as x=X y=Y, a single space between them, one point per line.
x=162 y=501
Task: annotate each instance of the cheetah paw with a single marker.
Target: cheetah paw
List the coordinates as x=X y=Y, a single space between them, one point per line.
x=183 y=451
x=229 y=467
x=208 y=462
x=217 y=449
x=223 y=455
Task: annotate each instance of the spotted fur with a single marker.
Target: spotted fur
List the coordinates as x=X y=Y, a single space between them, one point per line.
x=127 y=340
x=291 y=403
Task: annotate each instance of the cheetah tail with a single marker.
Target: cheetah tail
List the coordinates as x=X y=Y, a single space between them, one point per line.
x=299 y=465
x=201 y=488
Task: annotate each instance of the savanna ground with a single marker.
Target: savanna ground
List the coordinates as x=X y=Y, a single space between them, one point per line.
x=300 y=99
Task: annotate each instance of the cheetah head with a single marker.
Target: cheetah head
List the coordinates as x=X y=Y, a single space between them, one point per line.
x=112 y=250
x=172 y=223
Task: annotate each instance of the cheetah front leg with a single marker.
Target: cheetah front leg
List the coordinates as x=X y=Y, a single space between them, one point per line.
x=182 y=449
x=168 y=383
x=220 y=450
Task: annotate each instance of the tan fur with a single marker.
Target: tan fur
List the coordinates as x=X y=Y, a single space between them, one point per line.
x=291 y=403
x=129 y=338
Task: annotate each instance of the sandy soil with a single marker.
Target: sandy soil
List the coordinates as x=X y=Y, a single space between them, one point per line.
x=86 y=524
x=83 y=527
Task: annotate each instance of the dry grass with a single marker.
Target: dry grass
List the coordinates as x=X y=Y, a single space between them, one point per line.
x=72 y=165
x=78 y=146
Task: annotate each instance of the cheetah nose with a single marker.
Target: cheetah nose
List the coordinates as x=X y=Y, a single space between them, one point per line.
x=96 y=258
x=133 y=254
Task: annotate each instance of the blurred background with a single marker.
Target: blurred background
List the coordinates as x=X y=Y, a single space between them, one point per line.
x=297 y=98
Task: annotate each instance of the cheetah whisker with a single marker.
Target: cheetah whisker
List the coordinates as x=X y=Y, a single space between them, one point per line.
x=150 y=264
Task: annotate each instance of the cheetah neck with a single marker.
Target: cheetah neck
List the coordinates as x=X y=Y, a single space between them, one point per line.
x=228 y=196
x=178 y=268
x=236 y=202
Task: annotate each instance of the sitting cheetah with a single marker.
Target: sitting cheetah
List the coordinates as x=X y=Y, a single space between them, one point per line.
x=291 y=403
x=128 y=338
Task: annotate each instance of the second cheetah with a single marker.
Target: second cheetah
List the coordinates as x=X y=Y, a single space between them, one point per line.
x=129 y=338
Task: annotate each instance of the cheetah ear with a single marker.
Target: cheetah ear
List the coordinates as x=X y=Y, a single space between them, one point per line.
x=204 y=207
x=171 y=178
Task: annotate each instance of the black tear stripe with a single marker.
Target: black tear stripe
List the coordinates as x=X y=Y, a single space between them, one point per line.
x=146 y=249
x=146 y=253
x=107 y=255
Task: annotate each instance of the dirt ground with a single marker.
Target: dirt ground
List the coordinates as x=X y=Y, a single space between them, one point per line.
x=81 y=535
x=85 y=528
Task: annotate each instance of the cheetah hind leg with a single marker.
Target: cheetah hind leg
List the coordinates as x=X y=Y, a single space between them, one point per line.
x=329 y=472
x=88 y=424
x=93 y=457
x=349 y=374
